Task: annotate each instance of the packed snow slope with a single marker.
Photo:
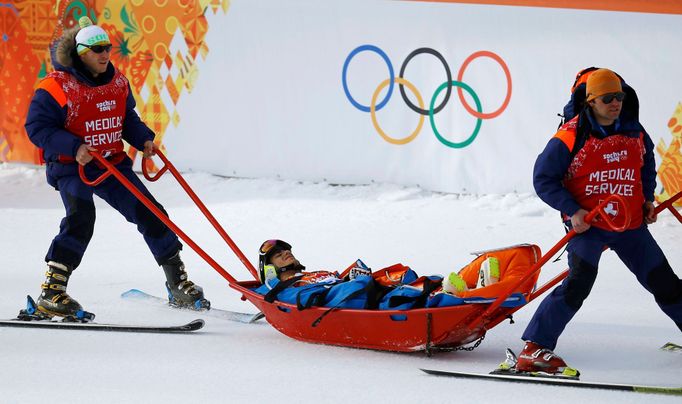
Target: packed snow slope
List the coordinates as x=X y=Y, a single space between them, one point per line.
x=614 y=338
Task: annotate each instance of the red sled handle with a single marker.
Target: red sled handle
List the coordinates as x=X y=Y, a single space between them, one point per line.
x=668 y=204
x=96 y=181
x=168 y=166
x=600 y=210
x=665 y=205
x=112 y=170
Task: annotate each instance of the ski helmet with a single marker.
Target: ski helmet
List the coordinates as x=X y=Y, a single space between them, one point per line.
x=266 y=251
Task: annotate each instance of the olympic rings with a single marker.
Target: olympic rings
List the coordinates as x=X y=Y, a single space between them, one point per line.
x=479 y=120
x=373 y=110
x=391 y=76
x=460 y=75
x=447 y=85
x=447 y=72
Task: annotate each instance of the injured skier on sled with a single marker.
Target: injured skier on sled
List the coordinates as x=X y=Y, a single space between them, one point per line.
x=396 y=287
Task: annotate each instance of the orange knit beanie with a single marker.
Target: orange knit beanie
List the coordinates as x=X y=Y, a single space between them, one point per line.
x=600 y=82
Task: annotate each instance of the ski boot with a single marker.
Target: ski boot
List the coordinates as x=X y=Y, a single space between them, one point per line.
x=181 y=291
x=489 y=272
x=454 y=284
x=537 y=359
x=54 y=301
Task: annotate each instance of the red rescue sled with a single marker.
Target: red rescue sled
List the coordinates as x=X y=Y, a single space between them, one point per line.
x=429 y=329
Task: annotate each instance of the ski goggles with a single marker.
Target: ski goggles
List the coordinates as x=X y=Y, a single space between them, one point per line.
x=97 y=48
x=608 y=98
x=270 y=247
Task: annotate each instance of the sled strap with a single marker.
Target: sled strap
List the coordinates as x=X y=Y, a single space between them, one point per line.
x=317 y=299
x=271 y=296
x=419 y=301
x=371 y=291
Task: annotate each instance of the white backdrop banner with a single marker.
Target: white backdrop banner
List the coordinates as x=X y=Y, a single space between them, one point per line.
x=340 y=90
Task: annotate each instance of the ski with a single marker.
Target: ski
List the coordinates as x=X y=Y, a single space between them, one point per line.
x=140 y=296
x=68 y=325
x=670 y=347
x=556 y=381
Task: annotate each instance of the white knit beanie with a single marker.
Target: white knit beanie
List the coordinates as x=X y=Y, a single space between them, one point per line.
x=90 y=35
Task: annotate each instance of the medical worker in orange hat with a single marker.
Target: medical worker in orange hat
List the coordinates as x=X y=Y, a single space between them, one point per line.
x=603 y=150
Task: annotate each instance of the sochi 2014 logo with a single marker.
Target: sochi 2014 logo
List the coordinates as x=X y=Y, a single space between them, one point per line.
x=432 y=110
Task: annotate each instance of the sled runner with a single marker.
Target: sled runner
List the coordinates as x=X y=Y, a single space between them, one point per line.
x=418 y=329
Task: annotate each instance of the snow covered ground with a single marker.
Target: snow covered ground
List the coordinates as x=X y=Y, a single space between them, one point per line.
x=614 y=338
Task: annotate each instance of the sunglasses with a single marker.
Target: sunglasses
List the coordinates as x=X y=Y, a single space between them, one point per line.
x=608 y=98
x=98 y=48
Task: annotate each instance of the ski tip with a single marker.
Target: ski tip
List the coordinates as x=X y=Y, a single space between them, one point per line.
x=30 y=305
x=132 y=293
x=671 y=347
x=195 y=324
x=256 y=317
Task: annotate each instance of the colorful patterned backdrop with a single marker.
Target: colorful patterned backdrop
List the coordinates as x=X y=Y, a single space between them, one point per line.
x=670 y=170
x=157 y=44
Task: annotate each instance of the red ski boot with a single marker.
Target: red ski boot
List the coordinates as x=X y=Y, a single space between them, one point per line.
x=534 y=358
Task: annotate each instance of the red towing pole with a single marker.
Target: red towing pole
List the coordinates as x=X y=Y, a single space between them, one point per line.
x=169 y=166
x=669 y=205
x=599 y=210
x=665 y=205
x=111 y=170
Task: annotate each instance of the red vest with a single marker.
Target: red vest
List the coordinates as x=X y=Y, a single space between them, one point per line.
x=603 y=167
x=94 y=114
